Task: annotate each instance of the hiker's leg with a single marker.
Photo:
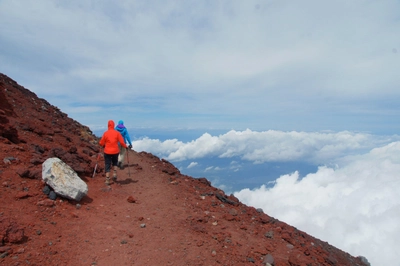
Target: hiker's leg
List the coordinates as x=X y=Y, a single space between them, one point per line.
x=114 y=161
x=115 y=173
x=107 y=163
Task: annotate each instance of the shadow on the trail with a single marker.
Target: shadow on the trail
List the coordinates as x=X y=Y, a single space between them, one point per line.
x=85 y=199
x=126 y=181
x=135 y=165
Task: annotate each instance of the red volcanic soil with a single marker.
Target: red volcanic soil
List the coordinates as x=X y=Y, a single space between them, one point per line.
x=152 y=215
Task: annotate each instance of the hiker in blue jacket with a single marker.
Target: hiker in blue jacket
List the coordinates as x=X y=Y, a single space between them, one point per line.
x=125 y=135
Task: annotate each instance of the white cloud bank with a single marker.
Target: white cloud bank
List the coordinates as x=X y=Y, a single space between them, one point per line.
x=355 y=207
x=267 y=146
x=192 y=164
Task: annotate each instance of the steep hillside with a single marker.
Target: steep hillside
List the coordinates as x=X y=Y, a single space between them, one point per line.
x=153 y=215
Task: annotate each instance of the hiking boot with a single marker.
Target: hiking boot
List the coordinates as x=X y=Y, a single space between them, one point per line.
x=115 y=178
x=120 y=166
x=108 y=182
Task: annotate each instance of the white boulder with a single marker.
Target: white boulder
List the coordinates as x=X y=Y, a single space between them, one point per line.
x=63 y=179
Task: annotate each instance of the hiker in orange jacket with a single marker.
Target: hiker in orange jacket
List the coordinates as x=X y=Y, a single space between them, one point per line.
x=109 y=141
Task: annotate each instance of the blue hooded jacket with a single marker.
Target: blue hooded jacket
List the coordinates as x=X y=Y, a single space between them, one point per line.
x=124 y=132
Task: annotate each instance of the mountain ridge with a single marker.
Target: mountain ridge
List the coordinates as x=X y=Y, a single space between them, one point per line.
x=152 y=215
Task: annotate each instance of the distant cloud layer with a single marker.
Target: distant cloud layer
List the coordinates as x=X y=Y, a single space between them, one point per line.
x=355 y=207
x=192 y=164
x=267 y=146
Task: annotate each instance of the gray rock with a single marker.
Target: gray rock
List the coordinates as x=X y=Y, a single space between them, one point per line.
x=52 y=195
x=364 y=260
x=63 y=179
x=269 y=260
x=46 y=190
x=251 y=260
x=3 y=255
x=269 y=234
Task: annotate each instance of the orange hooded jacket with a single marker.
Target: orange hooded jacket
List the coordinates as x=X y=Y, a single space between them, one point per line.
x=110 y=139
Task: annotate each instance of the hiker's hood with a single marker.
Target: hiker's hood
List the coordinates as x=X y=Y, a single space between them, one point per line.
x=111 y=124
x=120 y=124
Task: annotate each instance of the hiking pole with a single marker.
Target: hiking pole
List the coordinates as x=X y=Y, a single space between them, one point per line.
x=127 y=156
x=95 y=167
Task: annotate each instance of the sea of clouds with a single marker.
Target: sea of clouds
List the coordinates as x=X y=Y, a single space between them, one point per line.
x=352 y=201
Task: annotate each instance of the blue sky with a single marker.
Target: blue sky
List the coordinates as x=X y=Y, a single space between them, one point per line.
x=237 y=89
x=284 y=65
